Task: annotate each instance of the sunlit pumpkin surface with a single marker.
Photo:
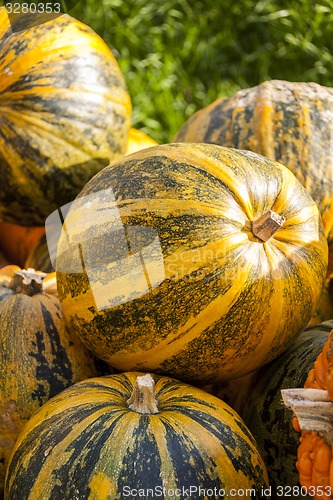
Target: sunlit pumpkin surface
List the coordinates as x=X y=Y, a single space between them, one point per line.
x=88 y=443
x=38 y=356
x=158 y=268
x=64 y=114
x=290 y=122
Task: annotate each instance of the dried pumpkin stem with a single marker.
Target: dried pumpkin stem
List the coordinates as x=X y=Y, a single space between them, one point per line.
x=28 y=281
x=313 y=409
x=143 y=398
x=267 y=224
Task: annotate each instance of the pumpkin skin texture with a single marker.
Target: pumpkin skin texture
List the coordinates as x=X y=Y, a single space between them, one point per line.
x=218 y=302
x=65 y=114
x=38 y=356
x=263 y=411
x=290 y=122
x=138 y=140
x=16 y=241
x=87 y=441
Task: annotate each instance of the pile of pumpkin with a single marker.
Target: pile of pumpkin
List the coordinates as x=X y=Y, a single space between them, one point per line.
x=156 y=299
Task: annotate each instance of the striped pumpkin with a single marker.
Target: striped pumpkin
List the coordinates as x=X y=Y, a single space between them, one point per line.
x=121 y=436
x=38 y=356
x=263 y=411
x=290 y=122
x=64 y=114
x=159 y=269
x=138 y=140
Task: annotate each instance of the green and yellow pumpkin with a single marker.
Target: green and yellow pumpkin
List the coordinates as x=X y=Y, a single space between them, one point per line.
x=290 y=122
x=173 y=260
x=64 y=113
x=258 y=401
x=133 y=435
x=38 y=356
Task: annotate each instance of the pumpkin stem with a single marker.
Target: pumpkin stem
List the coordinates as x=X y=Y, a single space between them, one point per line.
x=143 y=398
x=313 y=409
x=267 y=224
x=28 y=281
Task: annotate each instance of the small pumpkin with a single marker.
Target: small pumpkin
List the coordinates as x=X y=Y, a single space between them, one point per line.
x=290 y=122
x=312 y=409
x=129 y=434
x=65 y=113
x=17 y=241
x=38 y=356
x=174 y=260
x=257 y=399
x=138 y=140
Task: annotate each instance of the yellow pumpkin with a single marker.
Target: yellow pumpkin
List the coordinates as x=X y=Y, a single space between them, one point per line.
x=38 y=355
x=192 y=260
x=290 y=122
x=132 y=435
x=65 y=112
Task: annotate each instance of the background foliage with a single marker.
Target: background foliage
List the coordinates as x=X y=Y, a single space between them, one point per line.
x=177 y=56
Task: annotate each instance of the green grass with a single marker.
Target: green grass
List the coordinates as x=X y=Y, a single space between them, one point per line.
x=178 y=56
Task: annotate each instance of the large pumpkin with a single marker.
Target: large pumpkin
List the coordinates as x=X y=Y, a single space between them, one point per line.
x=38 y=356
x=121 y=437
x=291 y=122
x=260 y=405
x=168 y=261
x=65 y=113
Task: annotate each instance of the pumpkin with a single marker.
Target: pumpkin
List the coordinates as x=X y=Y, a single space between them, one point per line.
x=132 y=434
x=138 y=140
x=174 y=260
x=39 y=257
x=38 y=355
x=312 y=409
x=65 y=113
x=17 y=241
x=258 y=402
x=290 y=122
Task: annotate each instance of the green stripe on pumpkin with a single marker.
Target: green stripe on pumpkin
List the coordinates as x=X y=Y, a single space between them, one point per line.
x=64 y=115
x=220 y=285
x=87 y=436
